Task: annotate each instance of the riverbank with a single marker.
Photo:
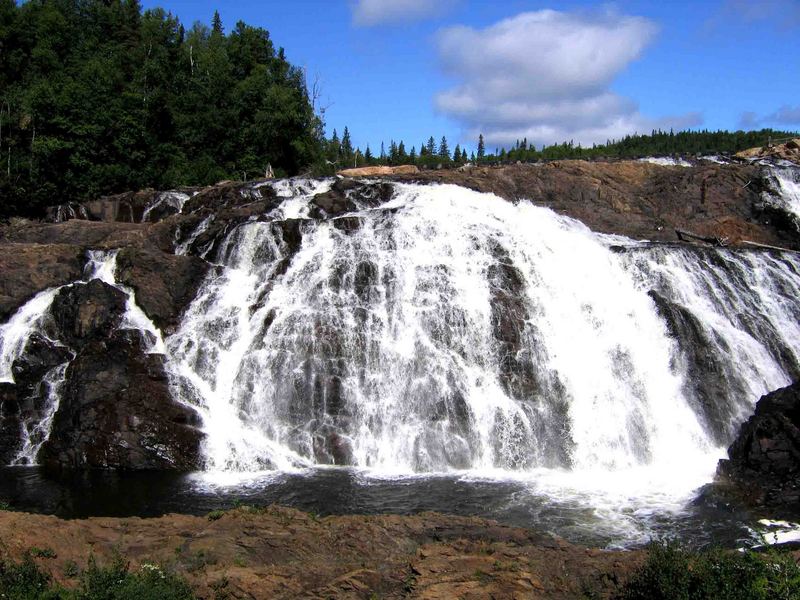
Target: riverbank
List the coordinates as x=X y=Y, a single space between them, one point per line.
x=277 y=552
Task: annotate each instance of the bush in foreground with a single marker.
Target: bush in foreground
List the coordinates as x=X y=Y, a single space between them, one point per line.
x=25 y=581
x=674 y=573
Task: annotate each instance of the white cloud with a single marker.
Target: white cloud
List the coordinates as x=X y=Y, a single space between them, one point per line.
x=380 y=12
x=546 y=76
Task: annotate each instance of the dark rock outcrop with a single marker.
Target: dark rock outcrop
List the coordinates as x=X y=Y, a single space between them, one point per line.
x=347 y=195
x=164 y=284
x=116 y=412
x=9 y=422
x=764 y=461
x=115 y=409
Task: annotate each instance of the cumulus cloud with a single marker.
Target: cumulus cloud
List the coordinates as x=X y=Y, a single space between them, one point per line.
x=546 y=75
x=367 y=13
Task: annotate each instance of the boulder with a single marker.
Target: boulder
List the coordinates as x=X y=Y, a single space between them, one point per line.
x=116 y=412
x=763 y=464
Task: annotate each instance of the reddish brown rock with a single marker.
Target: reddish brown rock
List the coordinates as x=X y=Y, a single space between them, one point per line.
x=279 y=553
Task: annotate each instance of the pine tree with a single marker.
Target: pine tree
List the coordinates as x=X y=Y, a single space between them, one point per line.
x=347 y=147
x=464 y=158
x=481 y=147
x=368 y=158
x=392 y=153
x=412 y=156
x=383 y=153
x=457 y=153
x=431 y=146
x=444 y=150
x=216 y=24
x=402 y=157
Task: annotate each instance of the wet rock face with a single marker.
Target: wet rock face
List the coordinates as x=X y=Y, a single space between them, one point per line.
x=28 y=268
x=347 y=195
x=9 y=422
x=87 y=310
x=706 y=382
x=764 y=460
x=116 y=412
x=164 y=284
x=115 y=409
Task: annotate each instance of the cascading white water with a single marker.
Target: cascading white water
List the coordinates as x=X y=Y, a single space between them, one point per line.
x=786 y=185
x=102 y=265
x=175 y=200
x=449 y=329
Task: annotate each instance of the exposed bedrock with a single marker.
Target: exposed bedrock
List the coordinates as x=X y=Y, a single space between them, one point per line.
x=26 y=269
x=763 y=464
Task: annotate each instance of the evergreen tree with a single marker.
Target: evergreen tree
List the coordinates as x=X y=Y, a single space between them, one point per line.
x=216 y=24
x=402 y=157
x=368 y=158
x=481 y=147
x=412 y=156
x=444 y=150
x=430 y=147
x=347 y=148
x=457 y=154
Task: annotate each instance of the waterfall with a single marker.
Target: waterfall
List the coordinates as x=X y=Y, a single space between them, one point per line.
x=448 y=329
x=785 y=194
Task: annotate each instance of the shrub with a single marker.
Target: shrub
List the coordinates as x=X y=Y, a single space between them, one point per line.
x=674 y=573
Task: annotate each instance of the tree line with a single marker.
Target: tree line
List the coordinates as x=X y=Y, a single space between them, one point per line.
x=99 y=96
x=340 y=153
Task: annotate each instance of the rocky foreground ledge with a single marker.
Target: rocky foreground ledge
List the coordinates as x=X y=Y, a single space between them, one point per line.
x=275 y=552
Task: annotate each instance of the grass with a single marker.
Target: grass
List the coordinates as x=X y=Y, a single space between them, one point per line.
x=674 y=573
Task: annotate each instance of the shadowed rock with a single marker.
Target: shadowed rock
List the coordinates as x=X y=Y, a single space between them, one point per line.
x=763 y=462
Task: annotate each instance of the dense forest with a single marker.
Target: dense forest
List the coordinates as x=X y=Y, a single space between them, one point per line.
x=98 y=96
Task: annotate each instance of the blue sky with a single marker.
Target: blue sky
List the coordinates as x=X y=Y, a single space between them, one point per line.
x=548 y=71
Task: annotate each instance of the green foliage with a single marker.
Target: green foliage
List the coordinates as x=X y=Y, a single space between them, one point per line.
x=215 y=515
x=36 y=552
x=25 y=581
x=116 y=582
x=673 y=573
x=97 y=97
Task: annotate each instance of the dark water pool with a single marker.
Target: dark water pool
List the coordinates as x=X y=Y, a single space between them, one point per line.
x=346 y=491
